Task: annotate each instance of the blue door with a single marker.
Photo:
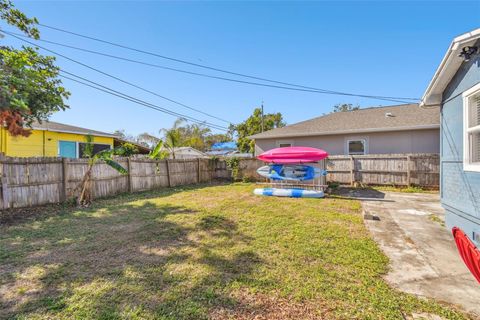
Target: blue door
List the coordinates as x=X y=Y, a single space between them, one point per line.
x=67 y=149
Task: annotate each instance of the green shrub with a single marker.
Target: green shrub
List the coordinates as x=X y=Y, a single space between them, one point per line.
x=233 y=164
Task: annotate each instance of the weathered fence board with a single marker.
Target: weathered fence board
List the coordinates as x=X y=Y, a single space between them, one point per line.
x=147 y=174
x=30 y=181
x=390 y=169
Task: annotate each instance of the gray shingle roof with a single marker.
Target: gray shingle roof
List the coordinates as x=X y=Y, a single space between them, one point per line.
x=61 y=127
x=403 y=117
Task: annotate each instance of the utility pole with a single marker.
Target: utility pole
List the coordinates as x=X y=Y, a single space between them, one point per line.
x=262 y=116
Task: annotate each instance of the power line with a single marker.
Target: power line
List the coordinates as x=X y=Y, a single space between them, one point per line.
x=196 y=73
x=114 y=77
x=100 y=87
x=309 y=89
x=130 y=97
x=113 y=92
x=200 y=74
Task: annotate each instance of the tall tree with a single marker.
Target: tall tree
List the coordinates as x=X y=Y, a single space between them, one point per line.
x=18 y=19
x=181 y=134
x=29 y=86
x=193 y=135
x=123 y=135
x=253 y=125
x=172 y=138
x=343 y=107
x=147 y=139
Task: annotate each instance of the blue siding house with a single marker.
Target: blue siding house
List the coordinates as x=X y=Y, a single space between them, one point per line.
x=456 y=88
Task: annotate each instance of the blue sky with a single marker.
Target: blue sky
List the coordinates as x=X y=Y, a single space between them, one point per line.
x=377 y=48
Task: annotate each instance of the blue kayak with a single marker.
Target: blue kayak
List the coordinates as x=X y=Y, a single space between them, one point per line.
x=290 y=172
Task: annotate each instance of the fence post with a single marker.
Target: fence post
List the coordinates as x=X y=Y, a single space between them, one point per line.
x=129 y=175
x=409 y=173
x=198 y=170
x=352 y=170
x=5 y=193
x=168 y=174
x=324 y=167
x=63 y=196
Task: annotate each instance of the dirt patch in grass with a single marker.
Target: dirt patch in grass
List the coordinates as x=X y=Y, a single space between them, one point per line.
x=270 y=307
x=15 y=216
x=206 y=252
x=377 y=191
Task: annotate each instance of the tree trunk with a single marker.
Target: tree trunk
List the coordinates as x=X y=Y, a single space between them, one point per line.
x=85 y=196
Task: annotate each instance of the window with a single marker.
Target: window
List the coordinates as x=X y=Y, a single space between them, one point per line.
x=67 y=149
x=284 y=143
x=471 y=128
x=73 y=149
x=356 y=146
x=96 y=148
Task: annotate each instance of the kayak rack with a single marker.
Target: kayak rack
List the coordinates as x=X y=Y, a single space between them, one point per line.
x=317 y=184
x=282 y=186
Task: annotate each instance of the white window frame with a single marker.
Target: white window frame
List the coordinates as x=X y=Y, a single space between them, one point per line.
x=467 y=95
x=350 y=139
x=279 y=142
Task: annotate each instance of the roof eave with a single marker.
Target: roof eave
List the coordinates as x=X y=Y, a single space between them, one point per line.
x=77 y=132
x=330 y=133
x=447 y=68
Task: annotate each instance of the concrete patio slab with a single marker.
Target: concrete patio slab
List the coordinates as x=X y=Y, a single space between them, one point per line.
x=423 y=257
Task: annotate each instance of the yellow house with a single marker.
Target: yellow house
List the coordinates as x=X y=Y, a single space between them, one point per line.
x=52 y=139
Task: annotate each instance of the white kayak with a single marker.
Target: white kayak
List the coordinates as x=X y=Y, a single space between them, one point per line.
x=292 y=192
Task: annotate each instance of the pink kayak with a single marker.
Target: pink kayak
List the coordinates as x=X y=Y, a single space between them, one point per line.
x=293 y=155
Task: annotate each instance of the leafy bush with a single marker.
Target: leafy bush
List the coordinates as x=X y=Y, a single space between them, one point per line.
x=233 y=164
x=127 y=150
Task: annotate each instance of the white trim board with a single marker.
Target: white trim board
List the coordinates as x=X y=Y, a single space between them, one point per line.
x=448 y=67
x=466 y=95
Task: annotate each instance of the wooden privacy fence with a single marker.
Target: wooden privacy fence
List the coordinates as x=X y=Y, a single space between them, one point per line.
x=27 y=182
x=386 y=169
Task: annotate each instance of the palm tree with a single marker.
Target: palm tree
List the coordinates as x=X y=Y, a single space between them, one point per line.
x=173 y=136
x=191 y=135
x=172 y=141
x=147 y=139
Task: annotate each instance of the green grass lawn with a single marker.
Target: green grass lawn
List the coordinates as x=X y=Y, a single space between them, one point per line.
x=205 y=252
